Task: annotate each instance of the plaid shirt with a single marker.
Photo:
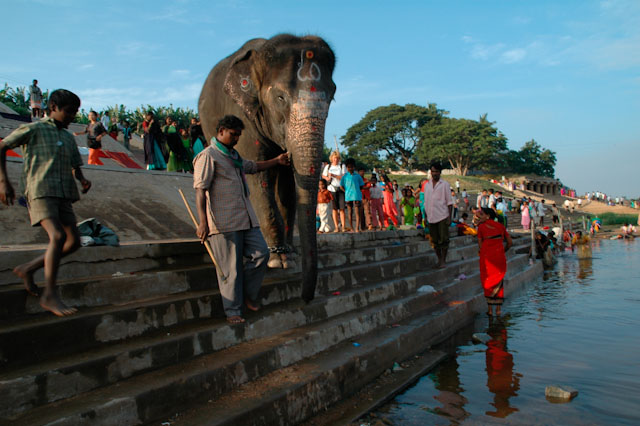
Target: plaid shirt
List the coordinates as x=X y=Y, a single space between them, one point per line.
x=231 y=209
x=49 y=155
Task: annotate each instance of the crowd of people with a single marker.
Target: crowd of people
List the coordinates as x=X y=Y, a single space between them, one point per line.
x=167 y=146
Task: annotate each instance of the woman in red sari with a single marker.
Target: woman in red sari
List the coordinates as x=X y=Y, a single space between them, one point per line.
x=493 y=262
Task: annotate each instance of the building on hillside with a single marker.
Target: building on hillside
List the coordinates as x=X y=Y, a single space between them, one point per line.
x=541 y=184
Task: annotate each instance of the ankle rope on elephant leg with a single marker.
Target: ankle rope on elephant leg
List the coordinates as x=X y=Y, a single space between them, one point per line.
x=278 y=249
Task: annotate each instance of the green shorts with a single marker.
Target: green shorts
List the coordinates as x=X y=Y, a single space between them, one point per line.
x=439 y=233
x=51 y=208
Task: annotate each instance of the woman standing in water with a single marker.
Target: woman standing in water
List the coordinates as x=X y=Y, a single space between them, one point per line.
x=493 y=261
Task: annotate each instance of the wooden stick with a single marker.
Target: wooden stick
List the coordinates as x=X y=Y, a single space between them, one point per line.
x=195 y=223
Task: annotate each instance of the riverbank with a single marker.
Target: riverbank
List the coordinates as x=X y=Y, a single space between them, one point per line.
x=566 y=319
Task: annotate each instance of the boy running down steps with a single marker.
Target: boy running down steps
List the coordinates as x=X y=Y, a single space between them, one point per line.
x=51 y=158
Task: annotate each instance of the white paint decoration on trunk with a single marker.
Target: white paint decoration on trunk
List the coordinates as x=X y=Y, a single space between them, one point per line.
x=312 y=104
x=314 y=70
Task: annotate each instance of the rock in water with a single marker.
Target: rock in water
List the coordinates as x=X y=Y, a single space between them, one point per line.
x=560 y=393
x=426 y=289
x=480 y=337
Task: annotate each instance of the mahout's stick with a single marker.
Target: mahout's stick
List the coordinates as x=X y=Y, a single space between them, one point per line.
x=195 y=223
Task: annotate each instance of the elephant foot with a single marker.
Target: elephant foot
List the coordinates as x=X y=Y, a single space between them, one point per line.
x=274 y=261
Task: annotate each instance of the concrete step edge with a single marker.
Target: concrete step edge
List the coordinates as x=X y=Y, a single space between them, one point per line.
x=371 y=310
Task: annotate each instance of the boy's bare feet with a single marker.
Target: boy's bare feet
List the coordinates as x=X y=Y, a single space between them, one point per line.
x=498 y=310
x=235 y=319
x=27 y=279
x=53 y=304
x=251 y=305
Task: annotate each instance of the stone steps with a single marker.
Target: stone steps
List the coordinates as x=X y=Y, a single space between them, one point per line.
x=105 y=289
x=126 y=358
x=111 y=358
x=22 y=340
x=212 y=375
x=292 y=394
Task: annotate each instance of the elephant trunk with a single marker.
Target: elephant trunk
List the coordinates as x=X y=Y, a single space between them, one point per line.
x=305 y=140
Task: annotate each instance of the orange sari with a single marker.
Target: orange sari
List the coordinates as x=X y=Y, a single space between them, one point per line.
x=493 y=262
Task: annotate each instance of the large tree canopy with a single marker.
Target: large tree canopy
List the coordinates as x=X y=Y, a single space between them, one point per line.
x=532 y=158
x=388 y=136
x=462 y=143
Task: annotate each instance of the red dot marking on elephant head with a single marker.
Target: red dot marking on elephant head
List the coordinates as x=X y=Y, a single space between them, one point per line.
x=257 y=142
x=244 y=83
x=264 y=184
x=309 y=54
x=313 y=88
x=312 y=170
x=314 y=128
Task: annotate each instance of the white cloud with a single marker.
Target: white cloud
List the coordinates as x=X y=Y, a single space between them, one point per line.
x=132 y=97
x=85 y=67
x=135 y=48
x=512 y=56
x=180 y=73
x=484 y=52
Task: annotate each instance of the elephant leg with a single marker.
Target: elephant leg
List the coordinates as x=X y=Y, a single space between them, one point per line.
x=286 y=201
x=262 y=187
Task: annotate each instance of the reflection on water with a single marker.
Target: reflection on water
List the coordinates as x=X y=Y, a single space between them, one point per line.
x=447 y=382
x=502 y=381
x=578 y=325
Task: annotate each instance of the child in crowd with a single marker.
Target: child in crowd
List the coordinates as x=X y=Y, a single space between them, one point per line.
x=408 y=202
x=95 y=132
x=389 y=204
x=51 y=161
x=352 y=183
x=365 y=216
x=375 y=192
x=126 y=134
x=324 y=206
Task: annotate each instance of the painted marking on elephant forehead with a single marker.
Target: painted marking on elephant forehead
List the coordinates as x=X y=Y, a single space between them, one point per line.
x=314 y=70
x=312 y=104
x=245 y=83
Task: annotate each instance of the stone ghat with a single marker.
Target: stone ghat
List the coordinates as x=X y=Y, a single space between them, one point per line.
x=150 y=343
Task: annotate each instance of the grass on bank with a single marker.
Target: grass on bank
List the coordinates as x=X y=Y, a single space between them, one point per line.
x=615 y=218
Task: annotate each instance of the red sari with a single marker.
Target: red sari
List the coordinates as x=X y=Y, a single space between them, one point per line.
x=389 y=208
x=493 y=262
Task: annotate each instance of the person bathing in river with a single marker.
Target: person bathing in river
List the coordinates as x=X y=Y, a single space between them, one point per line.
x=493 y=242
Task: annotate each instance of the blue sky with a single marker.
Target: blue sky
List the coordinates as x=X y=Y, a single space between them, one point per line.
x=566 y=74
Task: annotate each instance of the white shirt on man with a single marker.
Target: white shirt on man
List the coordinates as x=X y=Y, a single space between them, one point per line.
x=437 y=200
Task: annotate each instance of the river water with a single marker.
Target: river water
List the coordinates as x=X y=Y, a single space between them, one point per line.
x=579 y=325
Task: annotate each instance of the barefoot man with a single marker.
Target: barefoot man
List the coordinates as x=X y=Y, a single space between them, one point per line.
x=227 y=218
x=438 y=205
x=51 y=160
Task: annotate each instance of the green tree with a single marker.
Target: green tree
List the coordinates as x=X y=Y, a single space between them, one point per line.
x=536 y=160
x=388 y=135
x=463 y=143
x=17 y=99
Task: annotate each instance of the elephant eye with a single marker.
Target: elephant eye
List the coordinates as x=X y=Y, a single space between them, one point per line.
x=281 y=98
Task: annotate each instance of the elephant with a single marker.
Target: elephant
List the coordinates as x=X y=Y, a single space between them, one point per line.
x=281 y=88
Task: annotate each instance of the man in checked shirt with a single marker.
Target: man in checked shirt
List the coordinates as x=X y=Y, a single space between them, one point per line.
x=51 y=160
x=227 y=219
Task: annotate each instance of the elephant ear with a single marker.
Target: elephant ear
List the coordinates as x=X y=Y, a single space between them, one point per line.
x=240 y=82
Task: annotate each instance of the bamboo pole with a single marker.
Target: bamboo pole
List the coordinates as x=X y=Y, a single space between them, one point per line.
x=195 y=223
